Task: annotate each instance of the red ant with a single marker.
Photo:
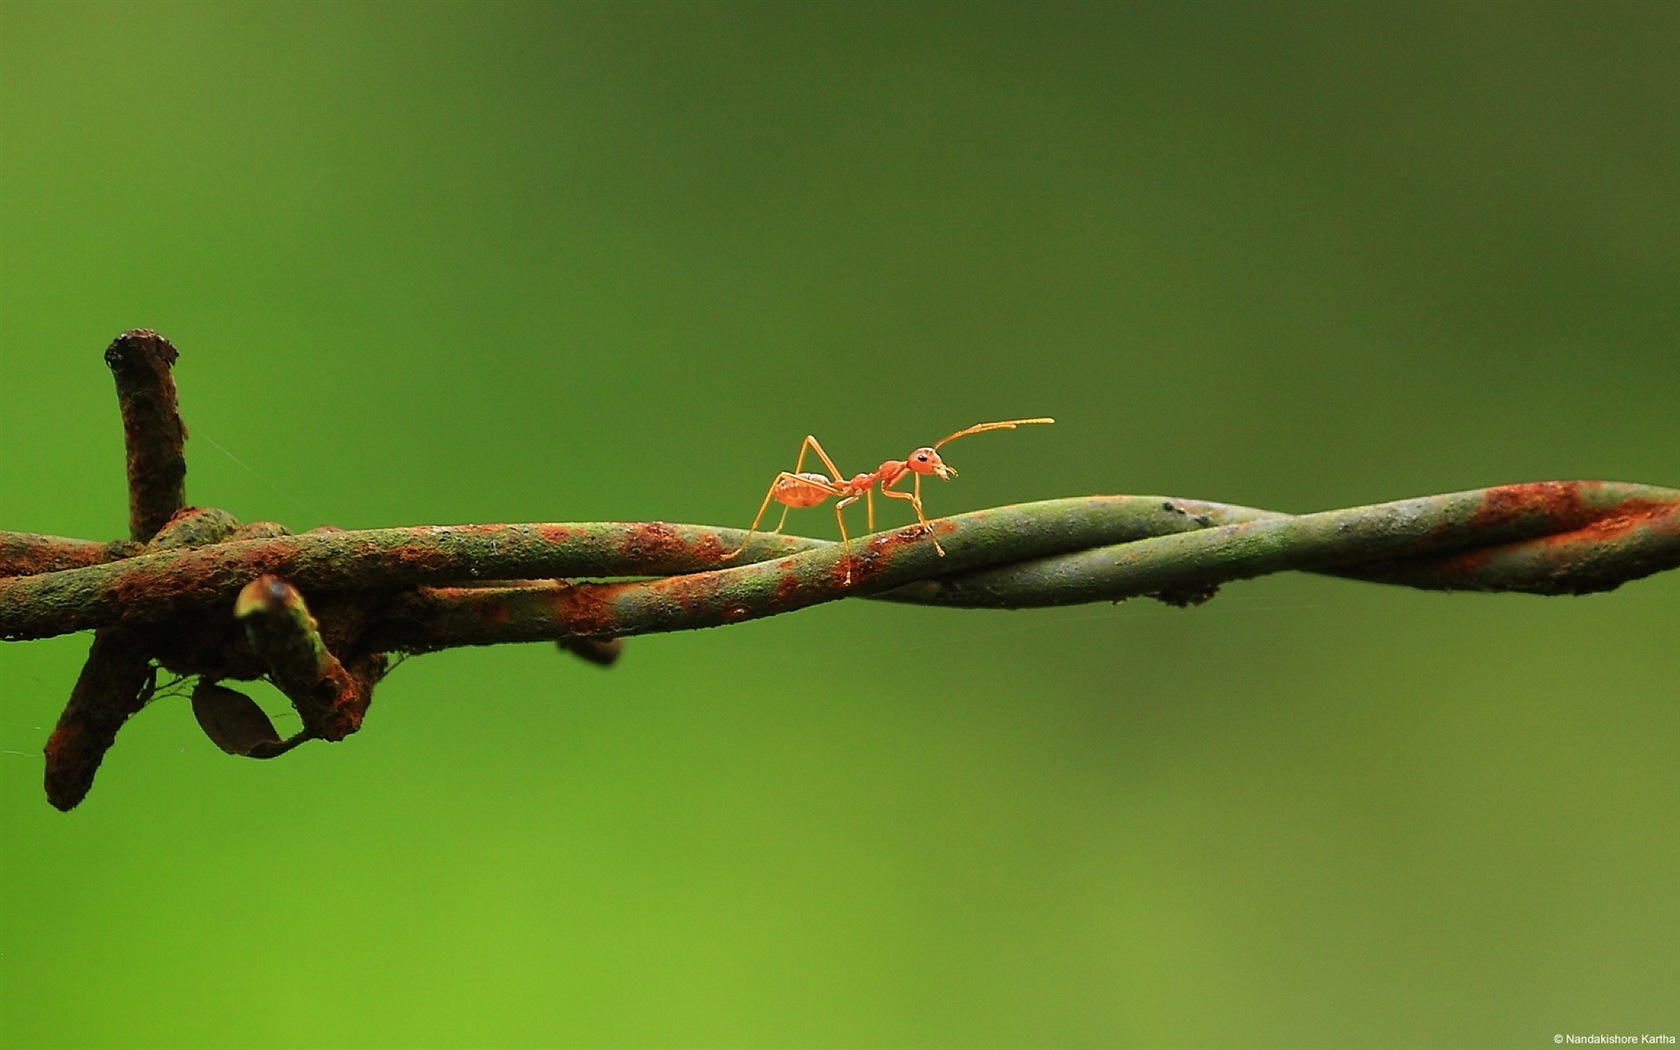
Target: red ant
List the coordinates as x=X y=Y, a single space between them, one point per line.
x=796 y=489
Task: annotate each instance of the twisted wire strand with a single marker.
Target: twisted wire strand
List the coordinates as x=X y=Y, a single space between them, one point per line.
x=1547 y=538
x=1543 y=537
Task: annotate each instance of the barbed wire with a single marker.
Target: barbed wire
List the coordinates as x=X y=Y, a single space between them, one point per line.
x=202 y=596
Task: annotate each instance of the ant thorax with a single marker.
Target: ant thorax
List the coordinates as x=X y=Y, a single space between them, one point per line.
x=890 y=471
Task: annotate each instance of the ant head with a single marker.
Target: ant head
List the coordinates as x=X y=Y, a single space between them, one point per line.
x=927 y=461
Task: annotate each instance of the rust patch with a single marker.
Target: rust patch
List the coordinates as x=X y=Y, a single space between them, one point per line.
x=890 y=543
x=882 y=552
x=343 y=699
x=1558 y=502
x=1630 y=515
x=260 y=530
x=31 y=550
x=64 y=749
x=709 y=550
x=1638 y=510
x=1463 y=569
x=418 y=559
x=786 y=588
x=695 y=594
x=585 y=608
x=554 y=533
x=1557 y=563
x=653 y=543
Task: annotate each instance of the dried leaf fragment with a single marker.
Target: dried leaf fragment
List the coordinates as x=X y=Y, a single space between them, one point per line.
x=235 y=723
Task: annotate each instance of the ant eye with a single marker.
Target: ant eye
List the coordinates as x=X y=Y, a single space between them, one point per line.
x=921 y=457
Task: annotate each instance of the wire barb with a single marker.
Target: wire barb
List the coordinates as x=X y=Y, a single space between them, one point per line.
x=155 y=437
x=328 y=697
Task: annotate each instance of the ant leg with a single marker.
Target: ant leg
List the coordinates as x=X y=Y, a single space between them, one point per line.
x=917 y=503
x=762 y=507
x=915 y=499
x=811 y=443
x=845 y=540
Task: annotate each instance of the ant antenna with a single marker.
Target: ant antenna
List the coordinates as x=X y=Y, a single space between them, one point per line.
x=1008 y=424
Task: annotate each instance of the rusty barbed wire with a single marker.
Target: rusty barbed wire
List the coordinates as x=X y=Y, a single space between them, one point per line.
x=200 y=595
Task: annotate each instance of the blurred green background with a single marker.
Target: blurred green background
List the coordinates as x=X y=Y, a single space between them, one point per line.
x=446 y=263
